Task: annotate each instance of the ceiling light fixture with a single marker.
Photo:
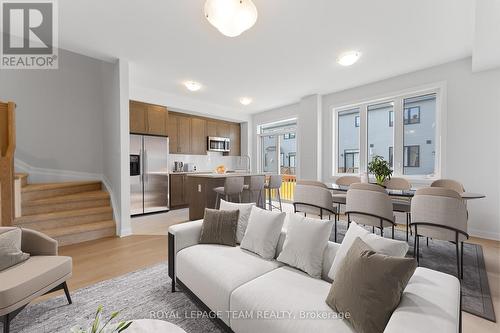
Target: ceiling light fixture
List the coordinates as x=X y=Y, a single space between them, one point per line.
x=246 y=101
x=231 y=17
x=348 y=58
x=192 y=85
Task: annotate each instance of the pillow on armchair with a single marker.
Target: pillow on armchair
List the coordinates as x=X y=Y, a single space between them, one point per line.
x=10 y=248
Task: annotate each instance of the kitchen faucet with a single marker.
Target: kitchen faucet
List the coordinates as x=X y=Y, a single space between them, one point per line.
x=248 y=163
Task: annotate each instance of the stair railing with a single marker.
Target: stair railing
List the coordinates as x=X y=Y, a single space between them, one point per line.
x=7 y=149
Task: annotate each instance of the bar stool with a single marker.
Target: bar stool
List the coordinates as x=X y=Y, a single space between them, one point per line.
x=232 y=186
x=256 y=185
x=274 y=184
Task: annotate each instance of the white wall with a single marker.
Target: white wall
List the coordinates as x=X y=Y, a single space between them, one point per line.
x=472 y=118
x=59 y=113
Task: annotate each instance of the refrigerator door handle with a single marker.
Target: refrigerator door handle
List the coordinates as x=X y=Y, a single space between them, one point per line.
x=146 y=176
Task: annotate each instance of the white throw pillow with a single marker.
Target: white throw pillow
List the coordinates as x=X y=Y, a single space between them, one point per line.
x=390 y=247
x=263 y=232
x=245 y=209
x=305 y=243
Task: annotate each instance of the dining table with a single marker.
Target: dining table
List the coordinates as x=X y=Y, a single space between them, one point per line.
x=405 y=193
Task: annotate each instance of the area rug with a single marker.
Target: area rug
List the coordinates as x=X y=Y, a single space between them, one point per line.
x=441 y=256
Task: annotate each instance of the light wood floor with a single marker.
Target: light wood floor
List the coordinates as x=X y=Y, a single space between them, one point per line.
x=111 y=257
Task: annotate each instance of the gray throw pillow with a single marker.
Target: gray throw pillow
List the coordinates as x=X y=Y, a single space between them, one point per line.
x=219 y=227
x=10 y=249
x=368 y=287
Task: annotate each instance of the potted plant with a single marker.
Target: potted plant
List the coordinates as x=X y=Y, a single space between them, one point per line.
x=380 y=168
x=99 y=325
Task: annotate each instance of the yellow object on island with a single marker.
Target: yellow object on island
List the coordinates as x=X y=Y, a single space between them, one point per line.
x=220 y=169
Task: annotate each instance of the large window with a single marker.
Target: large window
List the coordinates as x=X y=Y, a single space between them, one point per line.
x=348 y=141
x=402 y=129
x=278 y=144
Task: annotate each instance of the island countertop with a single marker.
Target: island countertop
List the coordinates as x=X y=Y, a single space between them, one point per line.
x=200 y=190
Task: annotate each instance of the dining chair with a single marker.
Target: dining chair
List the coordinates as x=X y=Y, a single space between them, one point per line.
x=369 y=204
x=274 y=184
x=256 y=186
x=400 y=204
x=315 y=200
x=311 y=183
x=340 y=198
x=232 y=186
x=449 y=184
x=440 y=213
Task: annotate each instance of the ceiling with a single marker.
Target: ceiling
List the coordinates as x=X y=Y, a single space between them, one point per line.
x=290 y=52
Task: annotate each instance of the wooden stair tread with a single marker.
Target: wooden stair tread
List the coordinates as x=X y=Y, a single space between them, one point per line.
x=82 y=196
x=80 y=228
x=54 y=186
x=62 y=214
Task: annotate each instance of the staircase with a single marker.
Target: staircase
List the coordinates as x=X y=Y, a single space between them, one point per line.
x=70 y=212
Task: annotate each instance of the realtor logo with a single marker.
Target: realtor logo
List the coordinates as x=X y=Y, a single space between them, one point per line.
x=29 y=34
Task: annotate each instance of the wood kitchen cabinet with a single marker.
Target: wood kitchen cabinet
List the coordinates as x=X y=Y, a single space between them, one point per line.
x=148 y=118
x=178 y=193
x=211 y=128
x=235 y=137
x=179 y=133
x=218 y=128
x=198 y=136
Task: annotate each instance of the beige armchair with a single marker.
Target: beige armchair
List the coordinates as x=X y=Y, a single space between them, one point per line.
x=42 y=273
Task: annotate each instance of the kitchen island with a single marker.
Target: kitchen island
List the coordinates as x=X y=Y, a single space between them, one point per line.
x=200 y=188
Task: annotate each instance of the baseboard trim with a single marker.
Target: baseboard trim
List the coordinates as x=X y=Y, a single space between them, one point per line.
x=484 y=234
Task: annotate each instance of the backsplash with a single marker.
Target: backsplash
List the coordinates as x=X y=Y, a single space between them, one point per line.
x=210 y=161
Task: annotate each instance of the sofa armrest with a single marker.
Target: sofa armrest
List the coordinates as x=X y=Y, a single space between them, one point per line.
x=181 y=236
x=430 y=303
x=38 y=244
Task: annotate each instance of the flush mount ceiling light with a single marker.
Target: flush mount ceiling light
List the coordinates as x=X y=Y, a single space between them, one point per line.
x=246 y=101
x=192 y=85
x=348 y=58
x=231 y=17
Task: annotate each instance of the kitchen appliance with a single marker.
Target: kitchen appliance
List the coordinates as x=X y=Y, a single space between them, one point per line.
x=178 y=166
x=218 y=144
x=189 y=167
x=148 y=174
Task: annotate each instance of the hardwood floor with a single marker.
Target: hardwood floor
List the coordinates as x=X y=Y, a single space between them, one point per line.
x=111 y=257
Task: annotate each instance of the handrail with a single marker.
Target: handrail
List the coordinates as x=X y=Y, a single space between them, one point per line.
x=7 y=149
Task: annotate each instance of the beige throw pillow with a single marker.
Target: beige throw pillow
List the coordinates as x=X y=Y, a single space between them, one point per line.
x=10 y=249
x=368 y=287
x=219 y=227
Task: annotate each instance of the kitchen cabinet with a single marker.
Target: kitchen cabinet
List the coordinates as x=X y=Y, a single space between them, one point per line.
x=178 y=193
x=223 y=129
x=198 y=136
x=211 y=128
x=148 y=118
x=235 y=137
x=179 y=133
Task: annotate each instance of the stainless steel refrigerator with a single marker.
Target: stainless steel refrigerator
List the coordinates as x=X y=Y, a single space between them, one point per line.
x=148 y=174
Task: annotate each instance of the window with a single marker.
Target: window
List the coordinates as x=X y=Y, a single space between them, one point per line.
x=348 y=141
x=411 y=156
x=412 y=115
x=291 y=159
x=403 y=129
x=380 y=137
x=289 y=136
x=278 y=143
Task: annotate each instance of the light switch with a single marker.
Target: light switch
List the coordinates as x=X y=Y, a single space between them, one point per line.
x=199 y=188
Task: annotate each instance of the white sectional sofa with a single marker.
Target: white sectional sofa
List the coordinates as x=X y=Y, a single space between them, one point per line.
x=250 y=294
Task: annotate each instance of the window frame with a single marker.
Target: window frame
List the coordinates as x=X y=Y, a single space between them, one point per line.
x=406 y=160
x=438 y=88
x=357 y=121
x=408 y=121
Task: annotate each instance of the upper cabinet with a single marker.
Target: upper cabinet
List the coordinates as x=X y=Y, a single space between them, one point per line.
x=148 y=119
x=187 y=133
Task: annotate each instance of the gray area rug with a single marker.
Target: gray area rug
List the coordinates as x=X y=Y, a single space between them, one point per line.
x=146 y=294
x=441 y=256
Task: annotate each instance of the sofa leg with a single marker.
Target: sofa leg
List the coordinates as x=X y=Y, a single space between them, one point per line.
x=66 y=291
x=173 y=285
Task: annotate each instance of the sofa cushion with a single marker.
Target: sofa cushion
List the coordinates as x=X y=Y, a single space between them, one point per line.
x=10 y=248
x=245 y=209
x=212 y=272
x=219 y=227
x=23 y=280
x=292 y=295
x=430 y=303
x=305 y=243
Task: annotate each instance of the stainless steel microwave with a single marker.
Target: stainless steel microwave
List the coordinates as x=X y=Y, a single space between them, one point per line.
x=218 y=144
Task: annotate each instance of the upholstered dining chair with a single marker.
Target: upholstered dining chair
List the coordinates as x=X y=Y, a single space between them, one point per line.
x=233 y=186
x=315 y=200
x=340 y=198
x=449 y=184
x=256 y=186
x=399 y=204
x=440 y=213
x=369 y=204
x=311 y=183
